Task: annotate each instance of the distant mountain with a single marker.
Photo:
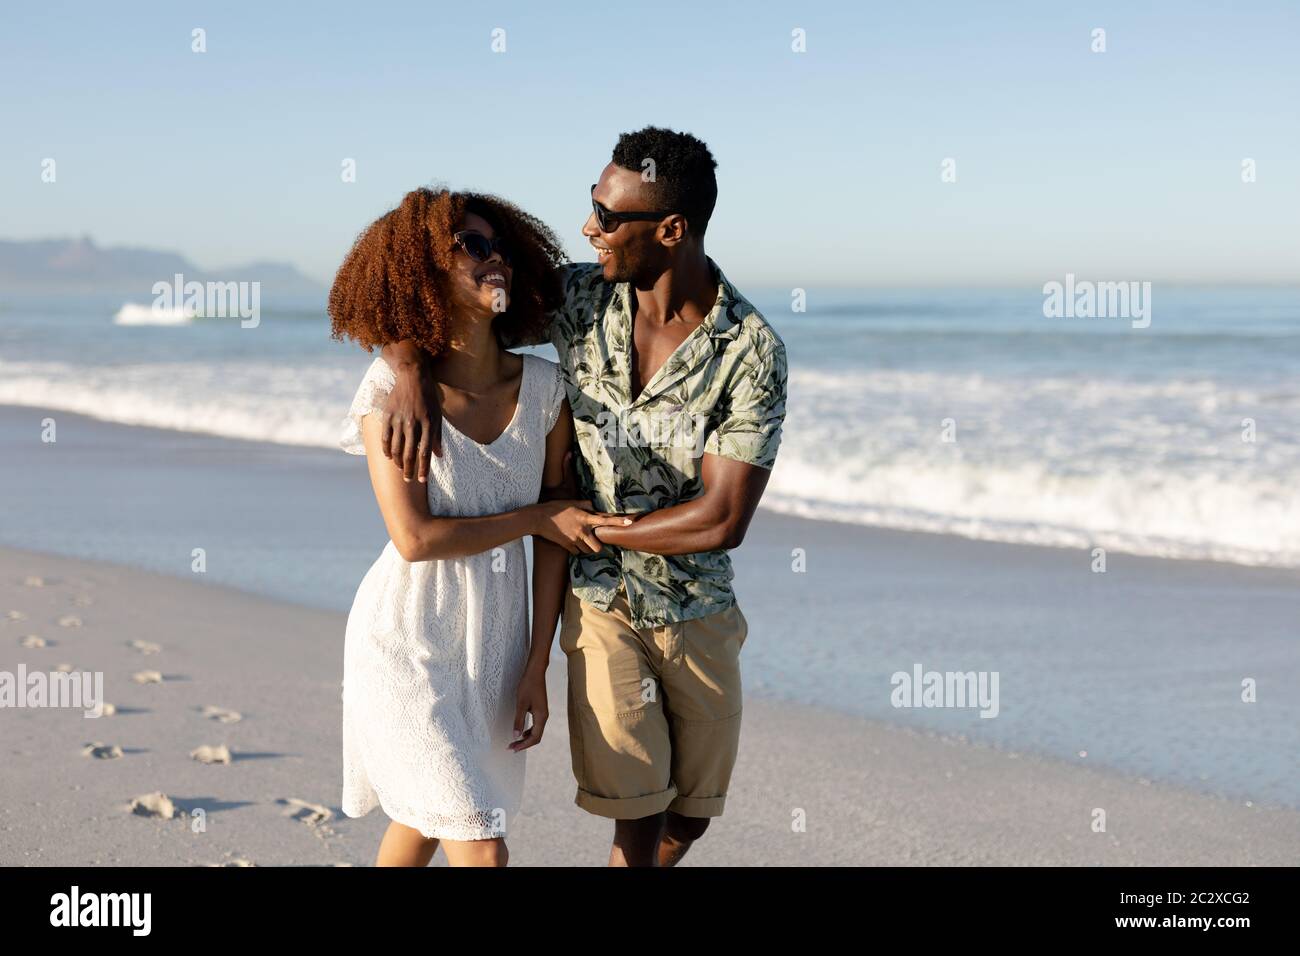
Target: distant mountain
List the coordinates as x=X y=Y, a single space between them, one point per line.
x=53 y=266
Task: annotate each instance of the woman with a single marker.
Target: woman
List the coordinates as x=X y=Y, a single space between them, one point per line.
x=440 y=676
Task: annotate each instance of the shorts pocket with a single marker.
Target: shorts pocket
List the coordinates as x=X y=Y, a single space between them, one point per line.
x=742 y=624
x=570 y=623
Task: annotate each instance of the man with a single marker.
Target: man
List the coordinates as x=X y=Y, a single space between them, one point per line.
x=678 y=388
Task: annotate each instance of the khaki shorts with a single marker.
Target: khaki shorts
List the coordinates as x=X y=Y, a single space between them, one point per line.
x=654 y=713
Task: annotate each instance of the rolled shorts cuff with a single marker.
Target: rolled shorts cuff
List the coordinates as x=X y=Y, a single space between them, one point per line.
x=698 y=806
x=626 y=808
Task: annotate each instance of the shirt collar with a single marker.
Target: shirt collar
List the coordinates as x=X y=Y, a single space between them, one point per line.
x=722 y=322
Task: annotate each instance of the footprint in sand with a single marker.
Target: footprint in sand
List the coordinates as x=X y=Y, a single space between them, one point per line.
x=147 y=677
x=210 y=754
x=312 y=814
x=69 y=620
x=101 y=751
x=33 y=641
x=221 y=715
x=156 y=804
x=145 y=647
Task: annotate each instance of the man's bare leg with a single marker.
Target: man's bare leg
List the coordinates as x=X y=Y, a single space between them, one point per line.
x=678 y=835
x=635 y=841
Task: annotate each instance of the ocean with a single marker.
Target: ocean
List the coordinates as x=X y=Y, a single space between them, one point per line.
x=967 y=412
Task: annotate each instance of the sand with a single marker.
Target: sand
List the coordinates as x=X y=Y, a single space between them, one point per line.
x=261 y=678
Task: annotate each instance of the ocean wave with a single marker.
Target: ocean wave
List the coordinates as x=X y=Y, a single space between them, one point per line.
x=1118 y=511
x=252 y=402
x=133 y=313
x=1157 y=468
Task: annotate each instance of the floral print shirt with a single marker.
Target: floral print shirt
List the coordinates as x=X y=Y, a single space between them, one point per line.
x=722 y=392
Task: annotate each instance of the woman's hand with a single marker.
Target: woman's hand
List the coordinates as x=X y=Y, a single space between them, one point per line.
x=412 y=416
x=571 y=523
x=530 y=699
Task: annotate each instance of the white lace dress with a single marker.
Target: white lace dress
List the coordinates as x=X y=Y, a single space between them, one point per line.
x=434 y=649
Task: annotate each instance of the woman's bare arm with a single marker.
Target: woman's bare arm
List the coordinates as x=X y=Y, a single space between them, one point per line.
x=550 y=563
x=550 y=584
x=419 y=536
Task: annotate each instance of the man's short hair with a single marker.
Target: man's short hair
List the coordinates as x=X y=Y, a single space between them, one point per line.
x=683 y=171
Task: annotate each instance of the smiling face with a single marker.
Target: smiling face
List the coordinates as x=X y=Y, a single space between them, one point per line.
x=634 y=250
x=479 y=288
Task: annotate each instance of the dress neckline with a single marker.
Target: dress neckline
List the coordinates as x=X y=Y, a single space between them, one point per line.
x=519 y=404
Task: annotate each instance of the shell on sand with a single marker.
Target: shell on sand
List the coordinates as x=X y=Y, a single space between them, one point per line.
x=101 y=751
x=156 y=804
x=211 y=754
x=145 y=647
x=32 y=581
x=69 y=620
x=147 y=677
x=32 y=641
x=16 y=615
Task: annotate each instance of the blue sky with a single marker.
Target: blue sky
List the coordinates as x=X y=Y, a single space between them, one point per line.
x=1123 y=164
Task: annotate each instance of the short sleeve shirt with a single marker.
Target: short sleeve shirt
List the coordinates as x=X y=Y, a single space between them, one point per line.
x=721 y=392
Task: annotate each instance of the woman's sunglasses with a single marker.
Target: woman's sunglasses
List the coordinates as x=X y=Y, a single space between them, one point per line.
x=608 y=220
x=479 y=247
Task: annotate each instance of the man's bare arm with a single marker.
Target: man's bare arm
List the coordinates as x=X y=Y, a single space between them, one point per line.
x=718 y=518
x=419 y=535
x=412 y=416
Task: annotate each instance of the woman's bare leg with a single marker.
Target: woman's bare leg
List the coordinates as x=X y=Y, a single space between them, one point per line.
x=405 y=846
x=476 y=852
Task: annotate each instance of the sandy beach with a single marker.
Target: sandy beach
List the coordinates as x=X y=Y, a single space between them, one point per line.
x=871 y=794
x=815 y=785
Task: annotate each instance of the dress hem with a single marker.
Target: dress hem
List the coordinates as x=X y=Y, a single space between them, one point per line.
x=427 y=830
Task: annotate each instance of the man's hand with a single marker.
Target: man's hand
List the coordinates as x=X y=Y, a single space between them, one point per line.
x=412 y=416
x=571 y=524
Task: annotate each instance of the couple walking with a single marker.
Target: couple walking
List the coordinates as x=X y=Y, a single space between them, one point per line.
x=635 y=465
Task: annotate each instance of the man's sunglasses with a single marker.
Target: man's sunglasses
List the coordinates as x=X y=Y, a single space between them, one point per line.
x=479 y=247
x=608 y=220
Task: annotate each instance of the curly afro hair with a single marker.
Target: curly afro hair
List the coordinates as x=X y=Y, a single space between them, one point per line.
x=393 y=284
x=684 y=181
